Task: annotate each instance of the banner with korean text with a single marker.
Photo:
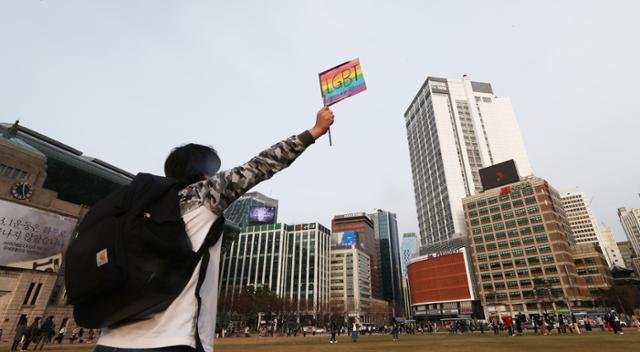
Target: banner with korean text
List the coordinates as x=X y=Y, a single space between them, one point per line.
x=28 y=233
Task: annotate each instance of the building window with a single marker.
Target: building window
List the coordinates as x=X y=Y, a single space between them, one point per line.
x=36 y=294
x=538 y=228
x=29 y=291
x=13 y=173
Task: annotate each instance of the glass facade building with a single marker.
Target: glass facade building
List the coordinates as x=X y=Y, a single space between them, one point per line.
x=385 y=226
x=291 y=260
x=409 y=248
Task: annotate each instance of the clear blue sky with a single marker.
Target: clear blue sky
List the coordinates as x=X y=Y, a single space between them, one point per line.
x=125 y=81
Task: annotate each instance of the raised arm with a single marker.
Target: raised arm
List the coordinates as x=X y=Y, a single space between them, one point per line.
x=219 y=191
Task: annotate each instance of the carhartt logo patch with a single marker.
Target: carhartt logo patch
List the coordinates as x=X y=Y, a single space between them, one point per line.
x=102 y=258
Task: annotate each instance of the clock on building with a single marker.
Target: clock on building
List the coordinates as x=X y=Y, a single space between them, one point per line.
x=22 y=190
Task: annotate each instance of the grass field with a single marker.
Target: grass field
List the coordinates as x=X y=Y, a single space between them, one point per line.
x=593 y=342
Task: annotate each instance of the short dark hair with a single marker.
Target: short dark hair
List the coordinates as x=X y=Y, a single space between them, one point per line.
x=191 y=162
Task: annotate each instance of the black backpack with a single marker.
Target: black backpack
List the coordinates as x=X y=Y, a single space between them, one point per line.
x=131 y=256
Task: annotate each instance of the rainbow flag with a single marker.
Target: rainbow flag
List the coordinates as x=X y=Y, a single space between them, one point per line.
x=341 y=82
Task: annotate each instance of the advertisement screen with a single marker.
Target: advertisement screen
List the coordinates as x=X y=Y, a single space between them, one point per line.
x=499 y=175
x=350 y=238
x=262 y=215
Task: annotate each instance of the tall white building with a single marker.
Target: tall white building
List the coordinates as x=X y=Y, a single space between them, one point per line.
x=584 y=225
x=351 y=282
x=454 y=128
x=630 y=219
x=612 y=251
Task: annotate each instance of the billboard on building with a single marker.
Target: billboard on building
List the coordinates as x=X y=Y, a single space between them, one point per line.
x=498 y=175
x=345 y=239
x=262 y=215
x=349 y=238
x=439 y=279
x=31 y=234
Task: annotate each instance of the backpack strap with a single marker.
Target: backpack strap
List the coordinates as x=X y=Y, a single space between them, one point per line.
x=214 y=234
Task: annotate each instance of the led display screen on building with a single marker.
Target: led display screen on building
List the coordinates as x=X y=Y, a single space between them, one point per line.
x=262 y=215
x=499 y=175
x=439 y=279
x=350 y=238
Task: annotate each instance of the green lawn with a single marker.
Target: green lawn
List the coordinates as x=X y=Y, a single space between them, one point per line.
x=592 y=342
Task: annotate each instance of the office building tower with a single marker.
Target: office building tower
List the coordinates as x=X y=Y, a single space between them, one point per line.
x=523 y=250
x=385 y=225
x=351 y=283
x=583 y=224
x=361 y=226
x=409 y=248
x=612 y=251
x=454 y=128
x=291 y=260
x=630 y=219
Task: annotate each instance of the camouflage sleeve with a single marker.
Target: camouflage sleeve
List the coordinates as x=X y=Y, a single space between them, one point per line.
x=220 y=190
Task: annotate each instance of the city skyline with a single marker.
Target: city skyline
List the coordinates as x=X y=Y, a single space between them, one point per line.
x=72 y=75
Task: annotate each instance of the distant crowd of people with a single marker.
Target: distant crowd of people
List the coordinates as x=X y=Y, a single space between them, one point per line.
x=42 y=332
x=544 y=324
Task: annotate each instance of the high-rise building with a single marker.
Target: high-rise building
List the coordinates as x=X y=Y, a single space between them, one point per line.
x=630 y=219
x=409 y=248
x=523 y=250
x=627 y=253
x=292 y=260
x=238 y=211
x=455 y=128
x=362 y=227
x=351 y=282
x=611 y=247
x=583 y=224
x=593 y=267
x=385 y=225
